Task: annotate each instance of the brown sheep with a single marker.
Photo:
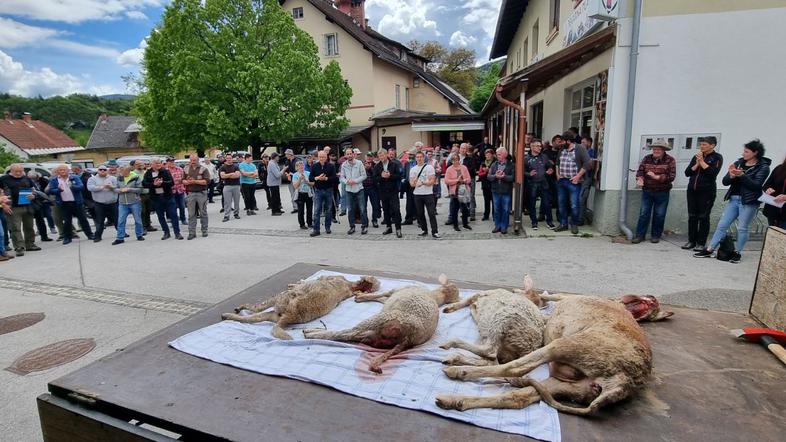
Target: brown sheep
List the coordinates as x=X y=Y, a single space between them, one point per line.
x=510 y=327
x=303 y=302
x=597 y=355
x=409 y=318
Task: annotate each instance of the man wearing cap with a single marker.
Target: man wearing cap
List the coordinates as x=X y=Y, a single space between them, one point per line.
x=274 y=176
x=230 y=176
x=248 y=184
x=196 y=179
x=655 y=175
x=103 y=187
x=572 y=164
x=287 y=169
x=353 y=173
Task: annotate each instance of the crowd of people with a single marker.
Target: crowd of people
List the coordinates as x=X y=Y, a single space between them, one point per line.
x=381 y=189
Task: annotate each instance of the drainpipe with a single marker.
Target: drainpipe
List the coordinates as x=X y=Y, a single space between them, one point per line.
x=518 y=185
x=634 y=58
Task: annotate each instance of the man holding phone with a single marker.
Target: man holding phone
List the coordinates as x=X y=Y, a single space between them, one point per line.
x=323 y=178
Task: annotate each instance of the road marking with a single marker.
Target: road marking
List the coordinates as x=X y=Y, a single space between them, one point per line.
x=125 y=299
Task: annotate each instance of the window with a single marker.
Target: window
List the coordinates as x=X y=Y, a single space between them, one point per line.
x=406 y=98
x=554 y=14
x=582 y=105
x=518 y=58
x=398 y=96
x=297 y=13
x=525 y=50
x=331 y=45
x=535 y=31
x=416 y=82
x=456 y=137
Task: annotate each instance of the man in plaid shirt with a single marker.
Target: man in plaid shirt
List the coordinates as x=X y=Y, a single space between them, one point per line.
x=178 y=190
x=573 y=163
x=655 y=175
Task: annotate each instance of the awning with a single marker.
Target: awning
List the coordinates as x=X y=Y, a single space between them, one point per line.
x=52 y=150
x=344 y=135
x=448 y=126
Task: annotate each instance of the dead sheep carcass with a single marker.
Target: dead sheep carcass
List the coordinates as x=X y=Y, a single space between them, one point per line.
x=408 y=318
x=510 y=326
x=597 y=355
x=303 y=302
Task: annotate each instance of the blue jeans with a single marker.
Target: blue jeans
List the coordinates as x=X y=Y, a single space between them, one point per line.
x=123 y=210
x=501 y=210
x=743 y=213
x=165 y=207
x=653 y=205
x=2 y=235
x=568 y=195
x=180 y=203
x=343 y=198
x=323 y=199
x=357 y=201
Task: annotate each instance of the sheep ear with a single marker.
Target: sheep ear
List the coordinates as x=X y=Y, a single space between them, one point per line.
x=528 y=284
x=443 y=279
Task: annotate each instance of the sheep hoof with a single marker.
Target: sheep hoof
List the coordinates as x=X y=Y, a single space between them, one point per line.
x=375 y=368
x=454 y=372
x=450 y=403
x=518 y=382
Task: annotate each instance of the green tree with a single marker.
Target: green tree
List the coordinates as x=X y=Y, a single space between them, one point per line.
x=7 y=158
x=486 y=87
x=456 y=67
x=235 y=73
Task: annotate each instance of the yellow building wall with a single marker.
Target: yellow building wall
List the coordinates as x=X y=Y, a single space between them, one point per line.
x=355 y=62
x=386 y=77
x=679 y=7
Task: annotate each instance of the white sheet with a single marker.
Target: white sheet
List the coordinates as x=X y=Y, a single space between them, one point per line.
x=410 y=380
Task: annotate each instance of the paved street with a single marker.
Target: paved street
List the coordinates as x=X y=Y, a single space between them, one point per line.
x=119 y=294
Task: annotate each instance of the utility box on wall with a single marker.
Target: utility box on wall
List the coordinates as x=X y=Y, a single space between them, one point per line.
x=605 y=10
x=684 y=147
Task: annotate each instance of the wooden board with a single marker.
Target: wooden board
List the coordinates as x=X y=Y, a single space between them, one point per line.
x=768 y=303
x=705 y=386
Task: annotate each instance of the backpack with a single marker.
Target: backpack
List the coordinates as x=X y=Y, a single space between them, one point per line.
x=726 y=248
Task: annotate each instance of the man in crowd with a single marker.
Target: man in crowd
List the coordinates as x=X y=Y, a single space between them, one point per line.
x=468 y=160
x=500 y=175
x=572 y=164
x=196 y=179
x=421 y=179
x=68 y=197
x=410 y=211
x=586 y=184
x=139 y=169
x=387 y=177
x=248 y=184
x=159 y=183
x=262 y=172
x=129 y=188
x=353 y=173
x=371 y=190
x=211 y=185
x=103 y=187
x=655 y=175
x=230 y=176
x=537 y=168
x=274 y=177
x=178 y=189
x=323 y=178
x=481 y=147
x=19 y=188
x=287 y=170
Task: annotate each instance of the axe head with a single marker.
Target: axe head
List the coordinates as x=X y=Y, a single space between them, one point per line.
x=755 y=334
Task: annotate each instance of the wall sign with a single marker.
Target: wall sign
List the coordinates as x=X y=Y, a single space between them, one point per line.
x=606 y=10
x=578 y=24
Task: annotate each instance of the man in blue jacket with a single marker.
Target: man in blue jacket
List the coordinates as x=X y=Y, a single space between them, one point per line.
x=324 y=178
x=67 y=190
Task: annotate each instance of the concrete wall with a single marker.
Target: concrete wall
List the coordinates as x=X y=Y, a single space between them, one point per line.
x=697 y=73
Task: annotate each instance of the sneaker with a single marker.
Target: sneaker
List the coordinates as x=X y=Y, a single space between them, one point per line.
x=313 y=234
x=467 y=226
x=698 y=248
x=5 y=257
x=735 y=258
x=303 y=227
x=689 y=245
x=534 y=227
x=226 y=218
x=703 y=254
x=204 y=234
x=423 y=233
x=140 y=238
x=364 y=230
x=574 y=229
x=328 y=231
x=436 y=235
x=166 y=236
x=237 y=216
x=117 y=241
x=398 y=234
x=485 y=218
x=561 y=228
x=46 y=239
x=456 y=228
x=550 y=225
x=96 y=239
x=66 y=241
x=21 y=252
x=636 y=240
x=375 y=224
x=504 y=231
x=191 y=236
x=449 y=222
x=654 y=240
x=496 y=230
x=33 y=248
x=53 y=231
x=351 y=231
x=178 y=236
x=293 y=211
x=387 y=231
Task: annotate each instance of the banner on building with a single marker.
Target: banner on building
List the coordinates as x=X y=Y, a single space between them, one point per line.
x=578 y=24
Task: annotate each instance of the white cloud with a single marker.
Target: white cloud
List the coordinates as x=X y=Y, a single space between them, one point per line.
x=75 y=11
x=460 y=39
x=15 y=79
x=17 y=34
x=83 y=49
x=405 y=17
x=136 y=15
x=133 y=57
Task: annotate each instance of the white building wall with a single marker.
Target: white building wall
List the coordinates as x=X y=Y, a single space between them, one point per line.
x=11 y=147
x=701 y=73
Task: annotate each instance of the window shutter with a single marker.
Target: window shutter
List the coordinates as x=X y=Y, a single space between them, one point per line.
x=335 y=42
x=325 y=41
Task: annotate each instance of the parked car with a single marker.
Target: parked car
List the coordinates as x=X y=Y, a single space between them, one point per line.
x=42 y=169
x=126 y=160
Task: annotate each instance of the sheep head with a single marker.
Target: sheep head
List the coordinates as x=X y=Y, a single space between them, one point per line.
x=644 y=308
x=448 y=292
x=366 y=284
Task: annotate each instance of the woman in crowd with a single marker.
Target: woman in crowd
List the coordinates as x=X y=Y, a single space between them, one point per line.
x=129 y=189
x=775 y=186
x=458 y=180
x=745 y=179
x=485 y=185
x=305 y=196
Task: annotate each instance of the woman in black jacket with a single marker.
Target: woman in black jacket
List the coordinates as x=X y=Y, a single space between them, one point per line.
x=776 y=186
x=745 y=178
x=702 y=173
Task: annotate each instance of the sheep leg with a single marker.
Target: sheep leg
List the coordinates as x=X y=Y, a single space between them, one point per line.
x=484 y=351
x=459 y=359
x=513 y=369
x=257 y=307
x=375 y=363
x=350 y=335
x=461 y=304
x=278 y=328
x=379 y=297
x=256 y=317
x=614 y=393
x=516 y=399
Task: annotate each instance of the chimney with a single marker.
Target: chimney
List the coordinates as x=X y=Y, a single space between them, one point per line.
x=6 y=115
x=103 y=116
x=355 y=9
x=27 y=118
x=366 y=25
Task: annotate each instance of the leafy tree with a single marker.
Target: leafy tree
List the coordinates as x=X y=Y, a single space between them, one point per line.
x=7 y=158
x=64 y=112
x=235 y=73
x=455 y=67
x=486 y=87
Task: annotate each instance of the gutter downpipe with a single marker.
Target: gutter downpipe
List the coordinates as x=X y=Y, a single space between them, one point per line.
x=634 y=59
x=518 y=185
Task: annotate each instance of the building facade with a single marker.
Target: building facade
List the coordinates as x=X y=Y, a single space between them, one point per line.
x=385 y=75
x=34 y=140
x=699 y=73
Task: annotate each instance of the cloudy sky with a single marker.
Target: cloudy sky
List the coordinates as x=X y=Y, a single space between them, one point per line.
x=57 y=47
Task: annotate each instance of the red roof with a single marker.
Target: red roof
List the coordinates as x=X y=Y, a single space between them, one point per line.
x=35 y=135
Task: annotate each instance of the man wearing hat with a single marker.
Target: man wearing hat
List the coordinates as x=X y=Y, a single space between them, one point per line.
x=655 y=175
